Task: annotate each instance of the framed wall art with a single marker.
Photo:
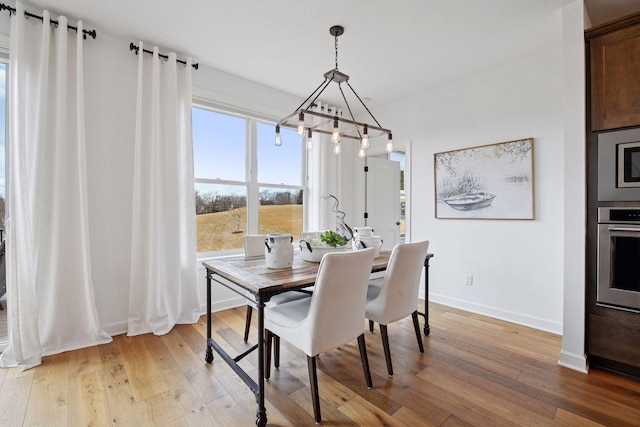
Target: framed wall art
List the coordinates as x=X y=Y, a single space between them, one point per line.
x=485 y=182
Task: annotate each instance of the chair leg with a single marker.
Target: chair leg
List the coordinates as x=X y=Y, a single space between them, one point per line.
x=313 y=382
x=365 y=360
x=247 y=324
x=276 y=351
x=370 y=325
x=268 y=337
x=416 y=326
x=385 y=346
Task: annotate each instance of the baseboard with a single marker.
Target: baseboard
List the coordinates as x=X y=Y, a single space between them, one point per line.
x=224 y=305
x=577 y=362
x=498 y=313
x=119 y=328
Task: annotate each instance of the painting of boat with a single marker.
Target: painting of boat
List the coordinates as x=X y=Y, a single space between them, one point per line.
x=470 y=201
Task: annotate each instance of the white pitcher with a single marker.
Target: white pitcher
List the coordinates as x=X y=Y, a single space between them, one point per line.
x=363 y=232
x=363 y=242
x=278 y=251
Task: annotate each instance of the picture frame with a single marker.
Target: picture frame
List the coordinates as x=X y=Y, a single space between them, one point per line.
x=494 y=181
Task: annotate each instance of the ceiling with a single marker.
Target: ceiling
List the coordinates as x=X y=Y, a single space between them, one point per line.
x=390 y=49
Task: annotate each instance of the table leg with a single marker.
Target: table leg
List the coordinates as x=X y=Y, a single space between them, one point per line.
x=209 y=356
x=261 y=413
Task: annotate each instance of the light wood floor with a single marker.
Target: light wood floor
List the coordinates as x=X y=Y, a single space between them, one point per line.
x=475 y=371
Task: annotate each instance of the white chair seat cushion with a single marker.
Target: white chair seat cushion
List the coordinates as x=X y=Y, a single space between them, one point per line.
x=373 y=290
x=375 y=306
x=289 y=314
x=283 y=298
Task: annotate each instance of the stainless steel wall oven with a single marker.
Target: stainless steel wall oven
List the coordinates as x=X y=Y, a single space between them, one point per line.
x=619 y=257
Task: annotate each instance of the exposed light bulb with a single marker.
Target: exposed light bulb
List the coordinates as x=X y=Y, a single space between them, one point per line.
x=301 y=124
x=336 y=148
x=361 y=153
x=278 y=140
x=309 y=141
x=390 y=143
x=335 y=135
x=364 y=143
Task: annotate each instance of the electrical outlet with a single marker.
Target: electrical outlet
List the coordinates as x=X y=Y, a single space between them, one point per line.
x=468 y=279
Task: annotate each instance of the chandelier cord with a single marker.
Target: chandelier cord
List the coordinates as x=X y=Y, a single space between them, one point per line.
x=325 y=83
x=349 y=107
x=336 y=43
x=363 y=104
x=313 y=101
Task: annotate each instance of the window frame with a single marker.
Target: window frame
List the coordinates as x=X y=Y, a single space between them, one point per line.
x=251 y=182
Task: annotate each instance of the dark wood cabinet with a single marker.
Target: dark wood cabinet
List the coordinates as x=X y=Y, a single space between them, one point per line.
x=615 y=74
x=613 y=101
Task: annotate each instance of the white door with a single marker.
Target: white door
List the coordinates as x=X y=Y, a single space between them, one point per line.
x=382 y=204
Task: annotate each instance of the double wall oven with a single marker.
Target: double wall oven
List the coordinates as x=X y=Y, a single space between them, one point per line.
x=618 y=277
x=618 y=281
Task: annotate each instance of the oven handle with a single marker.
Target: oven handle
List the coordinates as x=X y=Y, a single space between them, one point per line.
x=617 y=228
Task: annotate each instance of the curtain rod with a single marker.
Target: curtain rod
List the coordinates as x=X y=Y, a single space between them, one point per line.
x=12 y=11
x=165 y=57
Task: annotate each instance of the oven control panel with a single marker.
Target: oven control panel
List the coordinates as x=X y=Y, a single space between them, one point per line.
x=619 y=215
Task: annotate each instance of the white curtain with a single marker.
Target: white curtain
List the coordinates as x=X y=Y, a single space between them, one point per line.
x=323 y=167
x=163 y=247
x=50 y=292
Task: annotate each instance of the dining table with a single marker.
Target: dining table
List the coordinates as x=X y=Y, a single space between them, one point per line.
x=252 y=279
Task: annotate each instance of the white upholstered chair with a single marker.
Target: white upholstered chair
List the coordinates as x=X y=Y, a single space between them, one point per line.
x=254 y=248
x=332 y=317
x=397 y=297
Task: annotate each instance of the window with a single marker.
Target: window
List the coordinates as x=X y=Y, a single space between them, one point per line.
x=244 y=183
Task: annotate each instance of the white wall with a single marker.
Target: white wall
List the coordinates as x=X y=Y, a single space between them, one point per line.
x=528 y=272
x=573 y=327
x=517 y=266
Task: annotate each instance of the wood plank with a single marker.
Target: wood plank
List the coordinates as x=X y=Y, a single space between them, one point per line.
x=49 y=398
x=89 y=404
x=497 y=403
x=364 y=413
x=118 y=387
x=15 y=390
x=187 y=398
x=194 y=368
x=567 y=418
x=143 y=373
x=84 y=361
x=160 y=409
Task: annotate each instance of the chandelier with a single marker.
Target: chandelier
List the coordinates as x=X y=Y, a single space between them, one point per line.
x=302 y=119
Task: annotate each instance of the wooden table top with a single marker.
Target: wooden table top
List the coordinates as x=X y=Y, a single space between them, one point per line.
x=253 y=275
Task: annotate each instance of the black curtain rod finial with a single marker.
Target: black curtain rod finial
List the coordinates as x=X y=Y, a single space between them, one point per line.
x=11 y=10
x=91 y=34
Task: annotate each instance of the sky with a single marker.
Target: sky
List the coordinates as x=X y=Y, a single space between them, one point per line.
x=219 y=151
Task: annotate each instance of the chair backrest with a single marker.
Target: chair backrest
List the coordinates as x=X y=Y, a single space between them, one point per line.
x=254 y=245
x=398 y=296
x=336 y=312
